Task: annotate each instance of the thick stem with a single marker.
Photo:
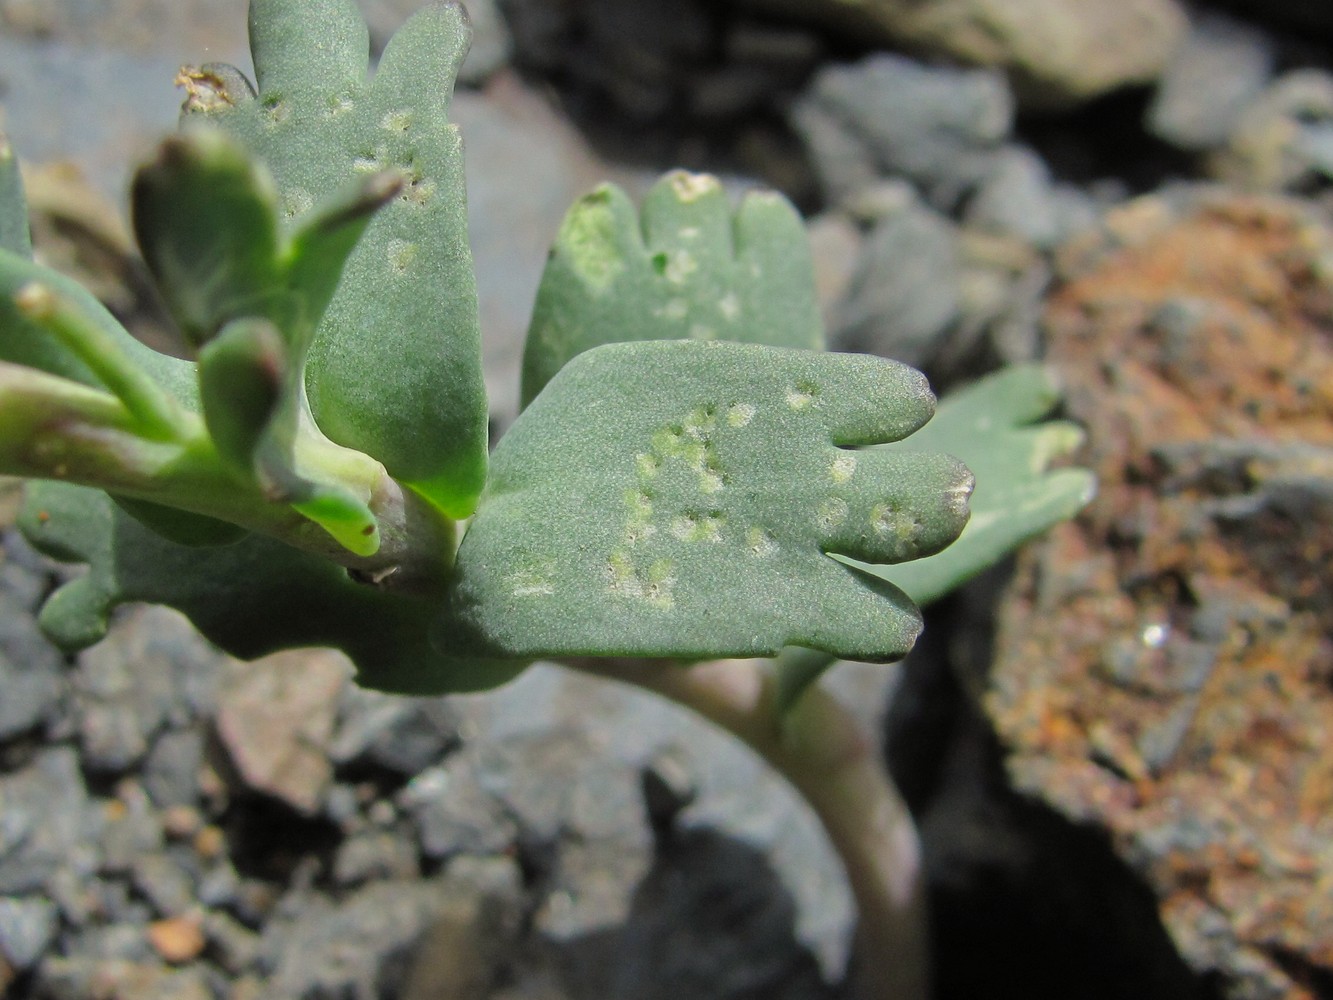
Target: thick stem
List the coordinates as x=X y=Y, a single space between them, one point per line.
x=55 y=428
x=825 y=753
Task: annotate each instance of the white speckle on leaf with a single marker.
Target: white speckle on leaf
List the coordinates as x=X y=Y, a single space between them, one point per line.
x=843 y=467
x=956 y=497
x=401 y=254
x=740 y=415
x=799 y=399
x=833 y=512
x=527 y=583
x=396 y=121
x=760 y=543
x=690 y=187
x=680 y=265
x=297 y=202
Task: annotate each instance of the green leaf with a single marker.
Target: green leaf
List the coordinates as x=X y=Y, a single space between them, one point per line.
x=204 y=215
x=395 y=367
x=996 y=427
x=181 y=526
x=251 y=598
x=683 y=499
x=14 y=235
x=690 y=268
x=26 y=342
x=242 y=372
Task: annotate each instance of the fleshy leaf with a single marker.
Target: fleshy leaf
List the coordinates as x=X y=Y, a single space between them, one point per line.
x=242 y=372
x=25 y=342
x=251 y=598
x=682 y=499
x=688 y=267
x=204 y=215
x=996 y=426
x=395 y=367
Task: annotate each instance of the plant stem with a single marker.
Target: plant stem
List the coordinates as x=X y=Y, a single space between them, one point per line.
x=826 y=754
x=157 y=415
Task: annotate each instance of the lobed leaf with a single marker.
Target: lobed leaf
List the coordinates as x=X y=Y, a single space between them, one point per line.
x=686 y=267
x=997 y=427
x=250 y=598
x=395 y=367
x=679 y=499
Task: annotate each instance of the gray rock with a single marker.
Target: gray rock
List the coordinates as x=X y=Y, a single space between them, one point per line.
x=1221 y=67
x=31 y=671
x=737 y=794
x=591 y=888
x=220 y=885
x=1059 y=52
x=357 y=949
x=454 y=814
x=481 y=914
x=904 y=295
x=27 y=928
x=234 y=946
x=102 y=128
x=404 y=735
x=1284 y=138
x=24 y=575
x=73 y=889
x=161 y=880
x=1019 y=199
x=45 y=819
x=132 y=828
x=608 y=846
x=492 y=44
x=124 y=941
x=933 y=126
x=375 y=854
x=709 y=922
x=121 y=700
x=170 y=772
x=95 y=979
x=835 y=245
x=152 y=671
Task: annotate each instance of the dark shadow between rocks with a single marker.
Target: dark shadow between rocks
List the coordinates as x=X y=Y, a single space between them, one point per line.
x=1023 y=902
x=710 y=921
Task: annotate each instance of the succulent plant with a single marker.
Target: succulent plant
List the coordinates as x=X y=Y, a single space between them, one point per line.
x=692 y=476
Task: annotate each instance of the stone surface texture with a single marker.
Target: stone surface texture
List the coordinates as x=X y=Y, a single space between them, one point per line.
x=1058 y=52
x=1165 y=665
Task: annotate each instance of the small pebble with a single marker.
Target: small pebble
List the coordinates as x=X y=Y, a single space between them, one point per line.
x=177 y=939
x=181 y=822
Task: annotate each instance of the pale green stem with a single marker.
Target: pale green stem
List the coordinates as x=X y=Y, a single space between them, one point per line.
x=157 y=414
x=826 y=754
x=56 y=428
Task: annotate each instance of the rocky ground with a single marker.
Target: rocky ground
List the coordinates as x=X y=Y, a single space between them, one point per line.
x=1119 y=750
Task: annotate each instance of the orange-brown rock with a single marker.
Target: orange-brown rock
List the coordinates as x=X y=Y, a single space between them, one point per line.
x=1165 y=663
